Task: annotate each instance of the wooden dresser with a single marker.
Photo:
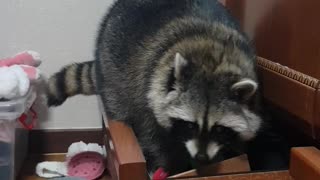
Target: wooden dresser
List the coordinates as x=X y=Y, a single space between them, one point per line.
x=286 y=32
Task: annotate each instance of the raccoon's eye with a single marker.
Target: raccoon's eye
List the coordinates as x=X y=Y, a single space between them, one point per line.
x=184 y=130
x=218 y=129
x=185 y=124
x=223 y=134
x=192 y=126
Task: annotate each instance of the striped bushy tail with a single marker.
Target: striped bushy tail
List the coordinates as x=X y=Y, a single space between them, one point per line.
x=78 y=78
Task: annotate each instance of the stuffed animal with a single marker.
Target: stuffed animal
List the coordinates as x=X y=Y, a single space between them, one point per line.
x=17 y=72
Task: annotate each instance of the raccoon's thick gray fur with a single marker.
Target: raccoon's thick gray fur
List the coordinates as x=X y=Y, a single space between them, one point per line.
x=180 y=73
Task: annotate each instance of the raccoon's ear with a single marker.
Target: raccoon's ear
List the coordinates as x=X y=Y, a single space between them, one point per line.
x=245 y=88
x=179 y=63
x=176 y=74
x=229 y=45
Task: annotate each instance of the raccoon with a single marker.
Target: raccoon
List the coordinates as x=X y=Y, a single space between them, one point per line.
x=180 y=73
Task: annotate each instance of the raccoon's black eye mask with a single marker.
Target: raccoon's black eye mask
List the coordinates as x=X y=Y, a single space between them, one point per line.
x=223 y=135
x=184 y=130
x=230 y=139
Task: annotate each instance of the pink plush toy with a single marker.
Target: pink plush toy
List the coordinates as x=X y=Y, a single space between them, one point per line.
x=17 y=72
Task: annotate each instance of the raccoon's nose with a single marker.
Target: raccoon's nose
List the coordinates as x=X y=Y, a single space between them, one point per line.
x=202 y=157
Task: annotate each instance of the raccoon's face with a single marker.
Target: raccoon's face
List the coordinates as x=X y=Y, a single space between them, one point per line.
x=206 y=111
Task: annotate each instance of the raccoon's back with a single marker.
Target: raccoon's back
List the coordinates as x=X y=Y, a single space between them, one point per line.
x=125 y=62
x=120 y=70
x=130 y=22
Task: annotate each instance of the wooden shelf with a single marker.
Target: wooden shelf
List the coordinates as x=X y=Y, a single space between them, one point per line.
x=28 y=169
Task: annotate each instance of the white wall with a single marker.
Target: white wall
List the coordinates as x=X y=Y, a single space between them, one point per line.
x=62 y=31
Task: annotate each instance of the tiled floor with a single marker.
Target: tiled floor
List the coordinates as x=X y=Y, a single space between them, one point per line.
x=28 y=170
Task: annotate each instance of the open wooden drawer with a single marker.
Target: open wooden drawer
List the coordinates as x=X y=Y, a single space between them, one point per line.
x=294 y=113
x=126 y=162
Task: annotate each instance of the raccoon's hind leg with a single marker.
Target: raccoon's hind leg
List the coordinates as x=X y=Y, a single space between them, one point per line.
x=77 y=78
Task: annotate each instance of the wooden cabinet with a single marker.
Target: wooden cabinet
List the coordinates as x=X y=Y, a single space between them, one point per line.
x=126 y=162
x=286 y=32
